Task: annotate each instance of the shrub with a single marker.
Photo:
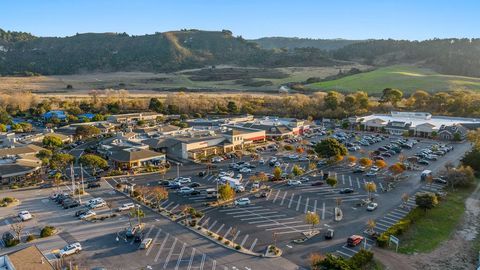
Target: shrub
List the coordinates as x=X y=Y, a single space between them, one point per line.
x=288 y=147
x=30 y=237
x=220 y=238
x=12 y=242
x=8 y=200
x=118 y=186
x=47 y=231
x=193 y=223
x=361 y=259
x=210 y=233
x=14 y=187
x=382 y=240
x=227 y=242
x=135 y=193
x=238 y=247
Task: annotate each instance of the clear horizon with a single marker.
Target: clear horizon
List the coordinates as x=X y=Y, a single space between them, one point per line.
x=349 y=19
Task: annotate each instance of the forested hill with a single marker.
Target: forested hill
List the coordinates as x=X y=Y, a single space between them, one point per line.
x=447 y=56
x=168 y=51
x=292 y=43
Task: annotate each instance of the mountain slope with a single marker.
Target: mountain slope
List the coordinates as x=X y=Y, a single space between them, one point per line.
x=175 y=50
x=292 y=43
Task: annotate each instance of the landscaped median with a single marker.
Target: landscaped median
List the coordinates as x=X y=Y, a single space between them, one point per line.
x=422 y=230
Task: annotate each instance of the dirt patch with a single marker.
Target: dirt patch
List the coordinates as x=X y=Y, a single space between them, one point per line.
x=456 y=253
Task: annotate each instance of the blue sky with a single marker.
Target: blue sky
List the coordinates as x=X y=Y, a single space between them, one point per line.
x=351 y=19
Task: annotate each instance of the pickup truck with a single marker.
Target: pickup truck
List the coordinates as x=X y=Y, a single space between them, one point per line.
x=126 y=206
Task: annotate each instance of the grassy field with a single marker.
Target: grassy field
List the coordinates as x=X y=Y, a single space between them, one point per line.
x=437 y=225
x=406 y=78
x=144 y=82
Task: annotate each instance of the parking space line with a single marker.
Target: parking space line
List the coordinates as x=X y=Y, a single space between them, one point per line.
x=167 y=260
x=283 y=223
x=323 y=211
x=344 y=254
x=212 y=225
x=228 y=231
x=401 y=211
x=266 y=220
x=276 y=196
x=206 y=221
x=358 y=183
x=343 y=179
x=283 y=198
x=350 y=180
x=238 y=209
x=288 y=232
x=298 y=203
x=388 y=218
x=393 y=214
x=192 y=256
x=214 y=264
x=383 y=225
x=293 y=227
x=171 y=210
x=381 y=185
x=242 y=211
x=236 y=235
x=255 y=214
x=219 y=229
x=383 y=220
x=268 y=196
x=262 y=217
x=315 y=206
x=203 y=261
x=244 y=240
x=154 y=240
x=180 y=256
x=168 y=205
x=161 y=247
x=253 y=244
x=306 y=205
x=291 y=200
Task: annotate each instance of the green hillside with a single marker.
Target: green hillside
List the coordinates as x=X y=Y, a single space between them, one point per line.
x=406 y=78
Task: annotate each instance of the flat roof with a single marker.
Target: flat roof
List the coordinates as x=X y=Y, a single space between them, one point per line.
x=435 y=121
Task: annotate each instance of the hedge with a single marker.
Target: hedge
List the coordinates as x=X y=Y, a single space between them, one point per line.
x=47 y=231
x=399 y=228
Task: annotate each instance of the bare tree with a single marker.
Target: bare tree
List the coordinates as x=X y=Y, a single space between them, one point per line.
x=17 y=228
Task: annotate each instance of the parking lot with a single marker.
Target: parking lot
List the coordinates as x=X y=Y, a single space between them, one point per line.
x=280 y=216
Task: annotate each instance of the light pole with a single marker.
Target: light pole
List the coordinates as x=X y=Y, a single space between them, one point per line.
x=178 y=170
x=138 y=213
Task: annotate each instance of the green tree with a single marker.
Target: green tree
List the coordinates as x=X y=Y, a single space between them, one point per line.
x=98 y=117
x=334 y=263
x=226 y=193
x=156 y=105
x=232 y=107
x=45 y=155
x=329 y=148
x=93 y=161
x=52 y=142
x=332 y=100
x=277 y=173
x=426 y=200
x=60 y=161
x=331 y=181
x=3 y=128
x=296 y=170
x=391 y=95
x=86 y=131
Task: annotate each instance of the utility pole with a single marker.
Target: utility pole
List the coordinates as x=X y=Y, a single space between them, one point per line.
x=138 y=213
x=72 y=175
x=178 y=170
x=83 y=187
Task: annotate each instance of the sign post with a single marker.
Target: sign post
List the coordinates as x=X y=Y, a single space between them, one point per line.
x=394 y=240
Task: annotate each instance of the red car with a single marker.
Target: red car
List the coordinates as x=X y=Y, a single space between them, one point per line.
x=354 y=240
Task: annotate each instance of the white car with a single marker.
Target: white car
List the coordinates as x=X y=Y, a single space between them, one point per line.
x=242 y=201
x=88 y=214
x=184 y=180
x=304 y=179
x=97 y=205
x=70 y=249
x=239 y=188
x=126 y=206
x=372 y=206
x=277 y=164
x=245 y=170
x=294 y=182
x=256 y=185
x=261 y=161
x=25 y=215
x=185 y=190
x=374 y=169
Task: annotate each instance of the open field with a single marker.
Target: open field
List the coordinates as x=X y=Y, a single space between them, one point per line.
x=406 y=78
x=437 y=225
x=144 y=82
